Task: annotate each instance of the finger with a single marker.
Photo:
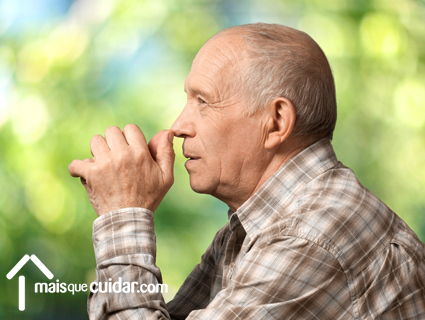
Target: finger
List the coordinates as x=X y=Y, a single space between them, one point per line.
x=135 y=136
x=90 y=194
x=154 y=142
x=86 y=186
x=78 y=168
x=165 y=154
x=98 y=146
x=88 y=189
x=115 y=138
x=88 y=160
x=84 y=183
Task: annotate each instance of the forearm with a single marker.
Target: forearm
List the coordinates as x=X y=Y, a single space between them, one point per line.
x=125 y=247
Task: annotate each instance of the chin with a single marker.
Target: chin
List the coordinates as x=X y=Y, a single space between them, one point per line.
x=205 y=187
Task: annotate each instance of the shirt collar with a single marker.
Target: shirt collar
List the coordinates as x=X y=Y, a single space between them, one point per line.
x=258 y=211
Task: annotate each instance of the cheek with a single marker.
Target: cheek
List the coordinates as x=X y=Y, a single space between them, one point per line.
x=212 y=165
x=244 y=152
x=214 y=147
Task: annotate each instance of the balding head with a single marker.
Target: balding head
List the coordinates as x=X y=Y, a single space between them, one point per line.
x=285 y=62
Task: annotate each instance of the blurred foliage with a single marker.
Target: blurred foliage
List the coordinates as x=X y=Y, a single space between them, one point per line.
x=70 y=69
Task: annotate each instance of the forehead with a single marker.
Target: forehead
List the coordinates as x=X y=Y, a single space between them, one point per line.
x=220 y=59
x=220 y=51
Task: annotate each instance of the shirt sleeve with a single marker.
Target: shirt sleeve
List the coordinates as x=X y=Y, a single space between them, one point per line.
x=125 y=247
x=125 y=250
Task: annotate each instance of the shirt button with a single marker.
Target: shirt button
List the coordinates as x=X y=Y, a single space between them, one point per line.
x=231 y=265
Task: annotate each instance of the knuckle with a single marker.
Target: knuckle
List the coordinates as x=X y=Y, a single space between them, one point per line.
x=112 y=129
x=122 y=156
x=106 y=163
x=94 y=171
x=131 y=126
x=93 y=168
x=95 y=138
x=171 y=154
x=139 y=154
x=72 y=167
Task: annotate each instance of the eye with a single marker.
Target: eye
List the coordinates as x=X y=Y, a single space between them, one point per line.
x=201 y=101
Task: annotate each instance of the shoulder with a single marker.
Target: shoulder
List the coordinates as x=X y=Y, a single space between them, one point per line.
x=338 y=213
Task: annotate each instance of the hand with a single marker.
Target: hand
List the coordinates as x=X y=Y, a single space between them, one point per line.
x=125 y=171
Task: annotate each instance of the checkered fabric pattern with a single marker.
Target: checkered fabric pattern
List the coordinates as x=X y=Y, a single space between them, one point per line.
x=311 y=243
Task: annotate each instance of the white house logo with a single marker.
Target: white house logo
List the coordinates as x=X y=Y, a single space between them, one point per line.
x=108 y=286
x=18 y=267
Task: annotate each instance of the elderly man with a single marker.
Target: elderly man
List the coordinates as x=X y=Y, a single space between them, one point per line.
x=305 y=240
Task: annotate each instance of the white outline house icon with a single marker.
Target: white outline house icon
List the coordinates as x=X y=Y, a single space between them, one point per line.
x=18 y=267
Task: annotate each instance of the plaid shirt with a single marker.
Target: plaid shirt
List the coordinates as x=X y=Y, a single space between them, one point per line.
x=311 y=243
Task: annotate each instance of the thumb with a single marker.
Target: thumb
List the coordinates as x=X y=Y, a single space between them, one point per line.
x=165 y=155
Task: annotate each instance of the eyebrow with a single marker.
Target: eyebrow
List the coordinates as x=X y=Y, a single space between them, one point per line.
x=198 y=91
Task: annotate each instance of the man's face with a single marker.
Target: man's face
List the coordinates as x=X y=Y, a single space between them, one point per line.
x=224 y=147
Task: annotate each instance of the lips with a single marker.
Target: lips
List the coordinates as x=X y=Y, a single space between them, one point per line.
x=190 y=156
x=191 y=160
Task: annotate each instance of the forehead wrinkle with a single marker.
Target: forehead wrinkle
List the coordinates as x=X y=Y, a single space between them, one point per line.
x=207 y=89
x=235 y=48
x=212 y=86
x=220 y=62
x=211 y=63
x=225 y=76
x=237 y=57
x=225 y=62
x=221 y=54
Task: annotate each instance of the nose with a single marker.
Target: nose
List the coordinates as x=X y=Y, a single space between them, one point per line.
x=183 y=127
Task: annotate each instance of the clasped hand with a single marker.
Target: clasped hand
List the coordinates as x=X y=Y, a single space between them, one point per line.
x=125 y=171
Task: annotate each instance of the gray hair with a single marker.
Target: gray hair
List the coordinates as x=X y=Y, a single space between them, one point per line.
x=285 y=62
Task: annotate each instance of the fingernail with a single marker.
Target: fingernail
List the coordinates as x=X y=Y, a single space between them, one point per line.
x=170 y=136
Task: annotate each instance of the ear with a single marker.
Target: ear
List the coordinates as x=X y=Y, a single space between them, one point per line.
x=280 y=123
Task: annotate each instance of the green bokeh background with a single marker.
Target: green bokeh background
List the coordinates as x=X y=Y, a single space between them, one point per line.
x=70 y=69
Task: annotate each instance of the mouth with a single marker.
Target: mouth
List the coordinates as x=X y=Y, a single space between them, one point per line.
x=192 y=158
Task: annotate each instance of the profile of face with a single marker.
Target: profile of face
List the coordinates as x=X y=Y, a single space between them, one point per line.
x=225 y=147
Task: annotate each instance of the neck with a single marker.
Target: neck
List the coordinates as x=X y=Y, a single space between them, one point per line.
x=244 y=191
